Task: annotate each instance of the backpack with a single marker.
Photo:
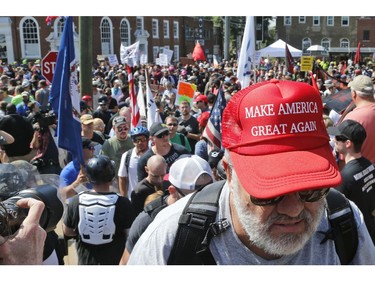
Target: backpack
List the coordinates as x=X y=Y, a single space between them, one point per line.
x=197 y=226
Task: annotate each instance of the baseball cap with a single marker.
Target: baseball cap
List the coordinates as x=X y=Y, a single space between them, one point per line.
x=87 y=143
x=87 y=119
x=103 y=100
x=119 y=120
x=201 y=98
x=214 y=157
x=349 y=129
x=277 y=140
x=157 y=129
x=362 y=83
x=25 y=94
x=185 y=172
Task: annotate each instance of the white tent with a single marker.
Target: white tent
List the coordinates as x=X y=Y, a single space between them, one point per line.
x=277 y=49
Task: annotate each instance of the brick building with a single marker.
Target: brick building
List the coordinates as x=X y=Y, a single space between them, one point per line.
x=31 y=38
x=338 y=34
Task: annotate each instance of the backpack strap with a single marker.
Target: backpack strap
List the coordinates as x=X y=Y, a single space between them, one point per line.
x=127 y=159
x=197 y=226
x=343 y=226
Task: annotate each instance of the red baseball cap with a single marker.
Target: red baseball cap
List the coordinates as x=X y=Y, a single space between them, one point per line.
x=201 y=98
x=277 y=140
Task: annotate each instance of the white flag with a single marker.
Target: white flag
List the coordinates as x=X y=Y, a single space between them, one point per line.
x=129 y=55
x=152 y=115
x=141 y=100
x=246 y=58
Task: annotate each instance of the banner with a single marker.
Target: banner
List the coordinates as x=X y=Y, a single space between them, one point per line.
x=129 y=55
x=246 y=58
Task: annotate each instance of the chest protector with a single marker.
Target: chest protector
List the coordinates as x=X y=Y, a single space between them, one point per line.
x=96 y=218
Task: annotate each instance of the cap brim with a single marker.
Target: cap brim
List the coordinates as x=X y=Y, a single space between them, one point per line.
x=161 y=131
x=334 y=131
x=272 y=175
x=5 y=138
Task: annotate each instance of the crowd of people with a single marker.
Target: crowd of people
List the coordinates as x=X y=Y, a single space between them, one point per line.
x=277 y=162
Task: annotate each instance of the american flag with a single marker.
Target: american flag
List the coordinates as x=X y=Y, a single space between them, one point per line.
x=212 y=132
x=135 y=115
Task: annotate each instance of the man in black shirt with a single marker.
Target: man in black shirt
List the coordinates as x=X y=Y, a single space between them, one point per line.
x=358 y=174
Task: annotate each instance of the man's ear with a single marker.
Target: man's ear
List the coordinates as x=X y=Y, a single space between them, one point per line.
x=172 y=191
x=146 y=169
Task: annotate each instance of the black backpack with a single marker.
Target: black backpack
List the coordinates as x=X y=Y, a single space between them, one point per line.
x=197 y=226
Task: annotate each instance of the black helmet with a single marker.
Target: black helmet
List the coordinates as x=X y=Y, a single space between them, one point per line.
x=103 y=99
x=100 y=169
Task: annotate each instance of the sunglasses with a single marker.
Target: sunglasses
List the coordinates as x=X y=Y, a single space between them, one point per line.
x=162 y=135
x=139 y=140
x=120 y=129
x=305 y=196
x=172 y=124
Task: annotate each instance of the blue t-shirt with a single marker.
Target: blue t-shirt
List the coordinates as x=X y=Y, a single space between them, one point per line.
x=70 y=173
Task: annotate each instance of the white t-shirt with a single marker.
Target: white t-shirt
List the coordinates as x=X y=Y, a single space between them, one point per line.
x=132 y=175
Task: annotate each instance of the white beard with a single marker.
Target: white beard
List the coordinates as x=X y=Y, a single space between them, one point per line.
x=259 y=232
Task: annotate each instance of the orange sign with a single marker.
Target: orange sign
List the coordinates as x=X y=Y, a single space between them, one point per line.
x=185 y=91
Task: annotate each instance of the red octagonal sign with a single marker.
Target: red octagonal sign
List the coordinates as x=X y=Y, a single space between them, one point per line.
x=48 y=65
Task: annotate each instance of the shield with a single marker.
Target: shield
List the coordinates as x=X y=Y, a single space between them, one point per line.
x=338 y=101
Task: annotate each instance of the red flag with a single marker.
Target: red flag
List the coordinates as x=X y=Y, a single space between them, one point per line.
x=49 y=19
x=343 y=68
x=135 y=115
x=198 y=53
x=288 y=60
x=357 y=57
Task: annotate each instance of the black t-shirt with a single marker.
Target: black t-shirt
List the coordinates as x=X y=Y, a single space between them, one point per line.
x=140 y=193
x=359 y=186
x=176 y=151
x=110 y=253
x=21 y=130
x=192 y=126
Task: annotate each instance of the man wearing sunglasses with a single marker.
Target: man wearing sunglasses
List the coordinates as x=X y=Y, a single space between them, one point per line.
x=117 y=145
x=279 y=168
x=161 y=145
x=358 y=174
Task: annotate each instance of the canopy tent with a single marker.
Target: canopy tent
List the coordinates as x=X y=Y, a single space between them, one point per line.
x=277 y=49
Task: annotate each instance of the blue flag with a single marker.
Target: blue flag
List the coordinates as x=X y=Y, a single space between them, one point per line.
x=65 y=97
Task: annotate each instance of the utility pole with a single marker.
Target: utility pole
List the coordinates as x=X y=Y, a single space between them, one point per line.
x=226 y=38
x=85 y=55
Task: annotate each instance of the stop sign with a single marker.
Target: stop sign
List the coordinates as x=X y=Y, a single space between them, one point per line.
x=48 y=65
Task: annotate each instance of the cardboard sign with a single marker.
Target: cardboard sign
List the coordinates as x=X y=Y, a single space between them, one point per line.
x=306 y=63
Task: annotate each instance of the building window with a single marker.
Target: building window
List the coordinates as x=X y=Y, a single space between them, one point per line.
x=189 y=33
x=316 y=21
x=30 y=42
x=176 y=53
x=326 y=43
x=106 y=36
x=125 y=32
x=344 y=21
x=166 y=28
x=302 y=19
x=287 y=20
x=155 y=52
x=176 y=30
x=306 y=43
x=59 y=27
x=366 y=35
x=344 y=43
x=140 y=23
x=155 y=28
x=330 y=21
